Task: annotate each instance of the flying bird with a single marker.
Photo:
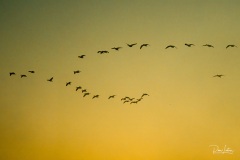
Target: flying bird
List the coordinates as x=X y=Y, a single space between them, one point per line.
x=31 y=71
x=84 y=90
x=171 y=46
x=68 y=83
x=189 y=45
x=23 y=75
x=125 y=101
x=208 y=45
x=116 y=48
x=218 y=75
x=82 y=56
x=144 y=45
x=125 y=98
x=76 y=71
x=85 y=94
x=95 y=96
x=101 y=52
x=79 y=87
x=134 y=102
x=50 y=80
x=131 y=45
x=12 y=73
x=145 y=94
x=231 y=45
x=112 y=96
x=105 y=51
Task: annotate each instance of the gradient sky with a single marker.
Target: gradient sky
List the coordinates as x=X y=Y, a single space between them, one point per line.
x=187 y=109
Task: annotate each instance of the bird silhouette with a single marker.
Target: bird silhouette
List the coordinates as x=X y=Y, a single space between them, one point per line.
x=231 y=45
x=84 y=90
x=75 y=72
x=131 y=45
x=208 y=45
x=145 y=94
x=171 y=46
x=31 y=71
x=218 y=75
x=125 y=98
x=134 y=102
x=189 y=45
x=105 y=51
x=112 y=96
x=23 y=75
x=95 y=96
x=144 y=45
x=68 y=83
x=116 y=48
x=79 y=87
x=12 y=73
x=50 y=80
x=85 y=94
x=126 y=101
x=102 y=52
x=82 y=56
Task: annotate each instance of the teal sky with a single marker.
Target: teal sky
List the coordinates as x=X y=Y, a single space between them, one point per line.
x=188 y=109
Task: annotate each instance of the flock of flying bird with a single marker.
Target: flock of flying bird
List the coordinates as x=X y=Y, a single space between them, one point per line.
x=85 y=93
x=169 y=46
x=125 y=99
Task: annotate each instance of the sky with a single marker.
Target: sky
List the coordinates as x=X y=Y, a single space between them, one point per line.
x=187 y=110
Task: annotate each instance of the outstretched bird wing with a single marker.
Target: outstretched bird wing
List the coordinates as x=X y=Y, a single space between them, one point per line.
x=82 y=56
x=23 y=75
x=218 y=75
x=12 y=73
x=50 y=80
x=143 y=45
